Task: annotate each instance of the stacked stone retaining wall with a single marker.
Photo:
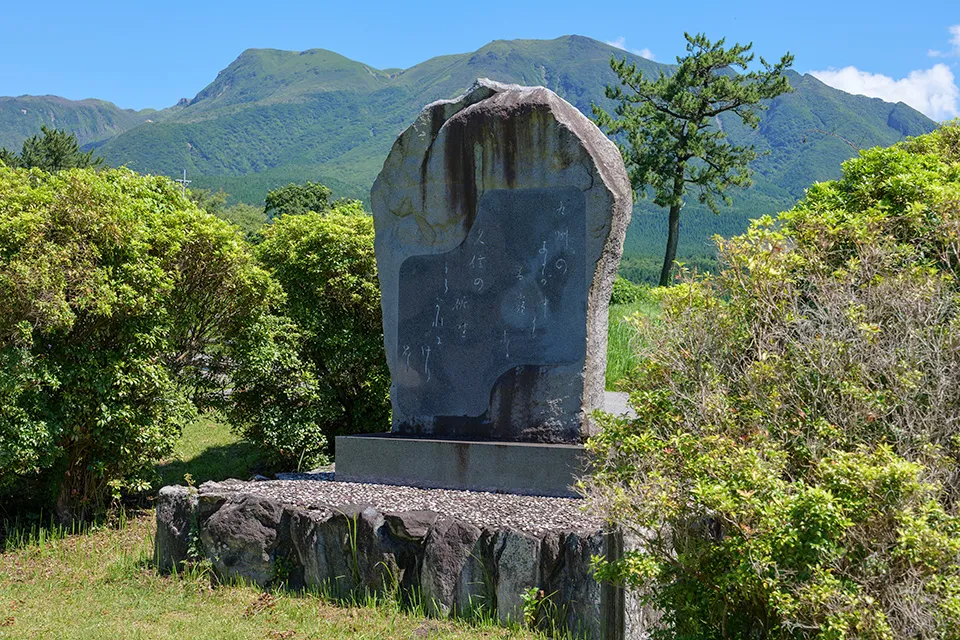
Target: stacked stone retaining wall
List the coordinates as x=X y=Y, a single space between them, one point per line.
x=455 y=550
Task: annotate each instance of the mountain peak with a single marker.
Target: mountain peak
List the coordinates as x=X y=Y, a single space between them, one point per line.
x=274 y=74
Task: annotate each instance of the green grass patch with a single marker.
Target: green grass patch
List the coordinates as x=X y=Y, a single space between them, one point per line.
x=210 y=450
x=100 y=585
x=622 y=339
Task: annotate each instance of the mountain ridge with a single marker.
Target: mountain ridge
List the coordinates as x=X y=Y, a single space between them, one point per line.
x=90 y=119
x=275 y=116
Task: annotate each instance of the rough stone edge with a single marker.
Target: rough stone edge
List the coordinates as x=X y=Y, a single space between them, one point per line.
x=176 y=527
x=182 y=513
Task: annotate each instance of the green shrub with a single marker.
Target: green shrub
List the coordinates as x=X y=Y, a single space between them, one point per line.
x=295 y=199
x=278 y=403
x=793 y=469
x=119 y=303
x=333 y=345
x=626 y=292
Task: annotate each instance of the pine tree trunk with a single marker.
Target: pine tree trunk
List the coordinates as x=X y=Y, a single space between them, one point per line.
x=673 y=236
x=673 y=233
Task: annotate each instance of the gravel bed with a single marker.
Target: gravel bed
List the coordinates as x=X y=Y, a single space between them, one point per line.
x=530 y=514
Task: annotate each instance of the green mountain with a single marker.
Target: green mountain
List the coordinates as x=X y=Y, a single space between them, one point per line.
x=272 y=117
x=89 y=120
x=275 y=116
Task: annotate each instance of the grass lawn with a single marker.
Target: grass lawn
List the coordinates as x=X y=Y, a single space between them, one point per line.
x=209 y=450
x=621 y=336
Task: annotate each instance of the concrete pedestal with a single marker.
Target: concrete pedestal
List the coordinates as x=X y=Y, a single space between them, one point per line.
x=505 y=467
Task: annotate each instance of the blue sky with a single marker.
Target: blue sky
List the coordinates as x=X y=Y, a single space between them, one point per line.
x=151 y=54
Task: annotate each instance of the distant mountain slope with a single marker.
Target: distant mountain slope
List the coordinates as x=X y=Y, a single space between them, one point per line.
x=317 y=113
x=272 y=76
x=89 y=120
x=276 y=116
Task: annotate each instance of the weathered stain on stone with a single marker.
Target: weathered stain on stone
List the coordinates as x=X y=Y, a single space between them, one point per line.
x=460 y=169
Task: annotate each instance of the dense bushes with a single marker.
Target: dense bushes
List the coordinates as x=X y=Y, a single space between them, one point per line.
x=295 y=199
x=793 y=471
x=125 y=309
x=119 y=305
x=333 y=344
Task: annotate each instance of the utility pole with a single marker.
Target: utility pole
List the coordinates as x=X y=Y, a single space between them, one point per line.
x=184 y=182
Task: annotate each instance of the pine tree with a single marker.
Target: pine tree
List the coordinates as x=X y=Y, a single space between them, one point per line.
x=668 y=132
x=50 y=150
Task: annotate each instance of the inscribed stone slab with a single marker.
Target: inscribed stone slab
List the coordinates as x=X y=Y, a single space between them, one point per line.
x=477 y=197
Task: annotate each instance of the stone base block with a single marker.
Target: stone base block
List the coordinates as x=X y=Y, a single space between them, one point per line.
x=456 y=552
x=502 y=467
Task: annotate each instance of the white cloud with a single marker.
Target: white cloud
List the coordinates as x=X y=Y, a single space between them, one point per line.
x=621 y=43
x=932 y=91
x=954 y=43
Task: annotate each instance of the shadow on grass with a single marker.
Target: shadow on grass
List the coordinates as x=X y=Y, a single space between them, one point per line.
x=236 y=460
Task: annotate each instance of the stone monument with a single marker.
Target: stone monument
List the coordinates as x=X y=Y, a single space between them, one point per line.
x=500 y=218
